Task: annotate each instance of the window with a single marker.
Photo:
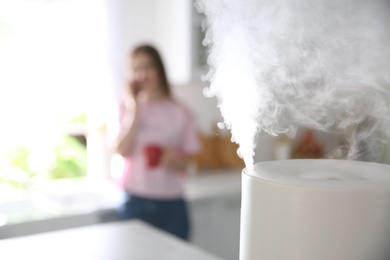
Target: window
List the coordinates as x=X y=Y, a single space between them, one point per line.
x=54 y=85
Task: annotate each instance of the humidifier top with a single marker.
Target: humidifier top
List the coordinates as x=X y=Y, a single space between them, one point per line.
x=323 y=173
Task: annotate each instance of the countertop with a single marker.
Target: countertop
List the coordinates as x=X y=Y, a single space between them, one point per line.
x=109 y=241
x=210 y=184
x=75 y=204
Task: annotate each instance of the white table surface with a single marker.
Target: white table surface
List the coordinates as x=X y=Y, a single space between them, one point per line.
x=133 y=240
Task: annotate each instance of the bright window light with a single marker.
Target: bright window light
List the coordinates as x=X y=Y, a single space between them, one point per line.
x=53 y=67
x=52 y=63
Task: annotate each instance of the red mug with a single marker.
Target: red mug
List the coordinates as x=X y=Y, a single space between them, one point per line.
x=153 y=154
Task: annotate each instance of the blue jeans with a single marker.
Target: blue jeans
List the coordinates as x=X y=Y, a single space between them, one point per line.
x=168 y=215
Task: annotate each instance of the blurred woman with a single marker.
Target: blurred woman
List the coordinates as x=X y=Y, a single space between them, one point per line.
x=156 y=140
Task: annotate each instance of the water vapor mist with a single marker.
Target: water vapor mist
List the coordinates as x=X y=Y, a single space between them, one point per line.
x=279 y=64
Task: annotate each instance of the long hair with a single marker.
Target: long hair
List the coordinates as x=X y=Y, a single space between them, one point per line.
x=155 y=56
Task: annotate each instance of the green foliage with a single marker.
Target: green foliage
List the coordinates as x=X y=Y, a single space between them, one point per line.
x=67 y=159
x=80 y=119
x=19 y=159
x=15 y=169
x=70 y=159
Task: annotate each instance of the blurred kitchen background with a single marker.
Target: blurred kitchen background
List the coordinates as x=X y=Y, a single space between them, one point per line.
x=62 y=65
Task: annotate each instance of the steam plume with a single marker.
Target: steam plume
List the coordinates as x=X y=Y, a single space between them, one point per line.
x=279 y=64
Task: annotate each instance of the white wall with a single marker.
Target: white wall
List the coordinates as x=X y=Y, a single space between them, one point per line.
x=204 y=109
x=165 y=24
x=207 y=113
x=173 y=37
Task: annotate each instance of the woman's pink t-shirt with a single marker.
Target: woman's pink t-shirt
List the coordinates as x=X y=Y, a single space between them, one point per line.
x=167 y=124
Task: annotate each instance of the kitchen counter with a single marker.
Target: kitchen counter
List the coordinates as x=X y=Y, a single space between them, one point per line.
x=116 y=241
x=77 y=204
x=209 y=184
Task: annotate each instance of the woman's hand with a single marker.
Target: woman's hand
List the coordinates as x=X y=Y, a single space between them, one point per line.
x=134 y=88
x=125 y=139
x=173 y=160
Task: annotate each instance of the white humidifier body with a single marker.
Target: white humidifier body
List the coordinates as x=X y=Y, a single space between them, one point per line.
x=315 y=210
